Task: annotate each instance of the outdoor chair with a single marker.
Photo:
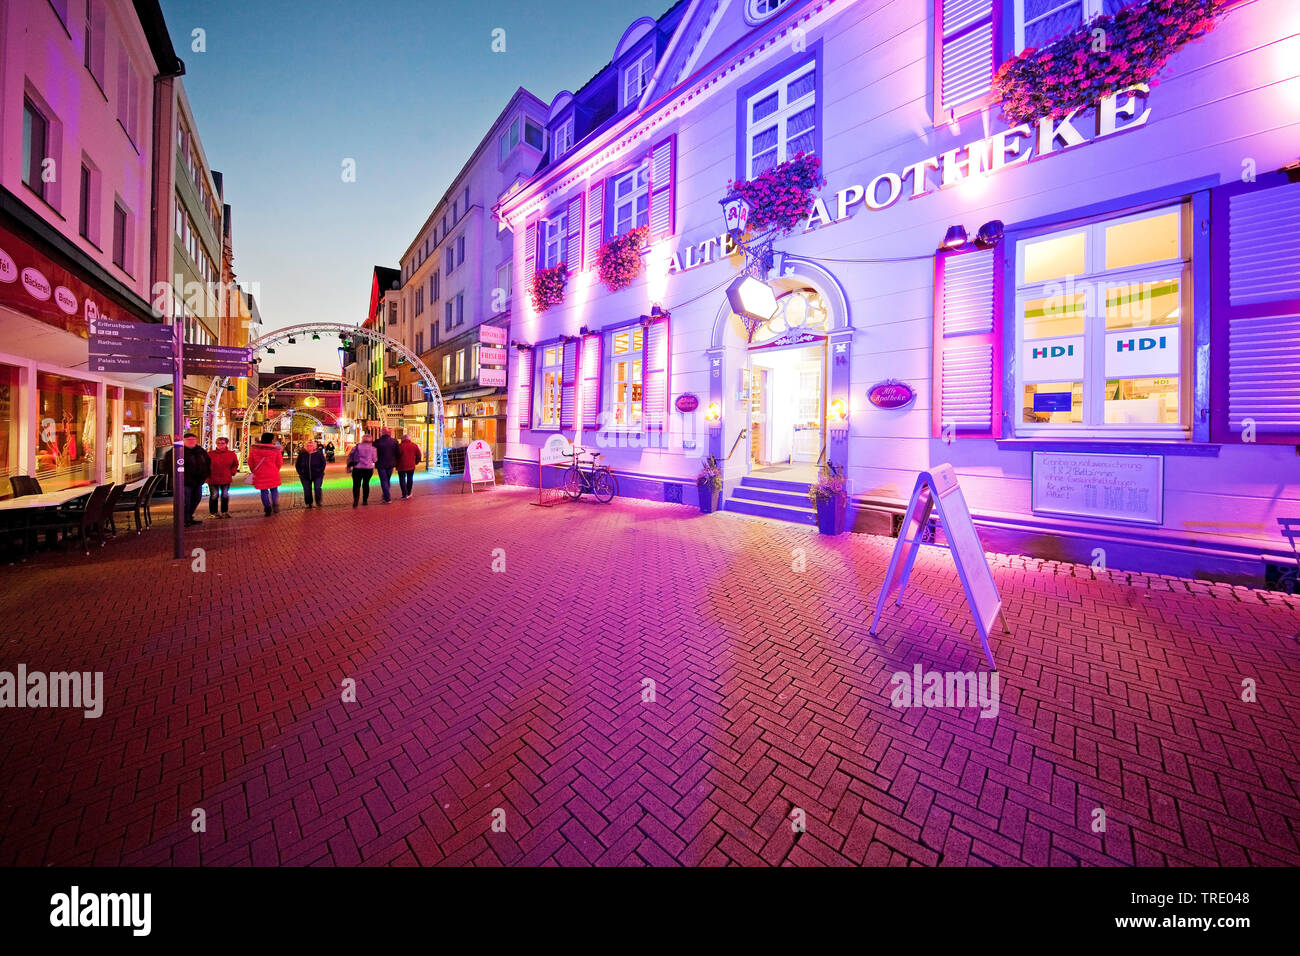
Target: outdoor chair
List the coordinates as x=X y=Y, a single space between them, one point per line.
x=133 y=503
x=81 y=520
x=147 y=499
x=108 y=507
x=1290 y=578
x=23 y=485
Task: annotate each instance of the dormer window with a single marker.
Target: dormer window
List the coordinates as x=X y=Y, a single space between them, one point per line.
x=563 y=138
x=759 y=10
x=637 y=77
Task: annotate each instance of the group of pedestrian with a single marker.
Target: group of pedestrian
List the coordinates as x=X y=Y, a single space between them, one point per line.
x=217 y=469
x=385 y=455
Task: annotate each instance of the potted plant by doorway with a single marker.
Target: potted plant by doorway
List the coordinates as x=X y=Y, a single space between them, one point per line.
x=832 y=501
x=709 y=483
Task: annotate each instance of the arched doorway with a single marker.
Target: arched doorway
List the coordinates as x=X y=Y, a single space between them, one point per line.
x=432 y=394
x=781 y=387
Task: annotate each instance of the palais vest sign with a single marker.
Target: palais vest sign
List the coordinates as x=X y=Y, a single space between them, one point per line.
x=1118 y=113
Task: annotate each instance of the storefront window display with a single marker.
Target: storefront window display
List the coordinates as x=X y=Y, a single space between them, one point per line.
x=1102 y=317
x=135 y=408
x=8 y=427
x=65 y=431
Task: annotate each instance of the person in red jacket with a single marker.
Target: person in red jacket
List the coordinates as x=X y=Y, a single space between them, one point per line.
x=224 y=465
x=408 y=456
x=264 y=460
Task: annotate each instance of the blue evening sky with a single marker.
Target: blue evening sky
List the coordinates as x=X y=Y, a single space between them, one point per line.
x=287 y=90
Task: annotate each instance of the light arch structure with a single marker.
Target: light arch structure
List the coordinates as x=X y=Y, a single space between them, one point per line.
x=284 y=385
x=433 y=395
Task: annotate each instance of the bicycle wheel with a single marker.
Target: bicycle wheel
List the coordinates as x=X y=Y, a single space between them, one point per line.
x=573 y=483
x=604 y=486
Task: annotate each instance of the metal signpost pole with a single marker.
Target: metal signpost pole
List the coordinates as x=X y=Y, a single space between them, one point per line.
x=178 y=439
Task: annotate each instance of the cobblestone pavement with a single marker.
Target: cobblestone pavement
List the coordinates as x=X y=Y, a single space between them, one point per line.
x=517 y=697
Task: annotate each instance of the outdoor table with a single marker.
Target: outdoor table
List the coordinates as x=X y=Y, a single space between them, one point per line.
x=47 y=499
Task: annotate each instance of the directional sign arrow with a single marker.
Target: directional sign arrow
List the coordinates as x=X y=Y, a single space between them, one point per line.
x=116 y=328
x=131 y=363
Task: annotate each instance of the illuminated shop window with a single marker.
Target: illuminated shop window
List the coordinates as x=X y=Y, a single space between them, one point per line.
x=1103 y=327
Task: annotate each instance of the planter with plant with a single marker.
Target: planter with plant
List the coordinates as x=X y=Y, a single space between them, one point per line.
x=831 y=499
x=709 y=483
x=781 y=197
x=548 y=286
x=1108 y=54
x=619 y=261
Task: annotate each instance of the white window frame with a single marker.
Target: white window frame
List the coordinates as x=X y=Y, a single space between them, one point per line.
x=555 y=236
x=640 y=70
x=1091 y=10
x=1097 y=278
x=641 y=172
x=756 y=11
x=550 y=375
x=563 y=139
x=782 y=115
x=460 y=365
x=632 y=358
x=446 y=370
x=506 y=284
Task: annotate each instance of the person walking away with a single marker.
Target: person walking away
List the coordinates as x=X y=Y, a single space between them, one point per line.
x=386 y=460
x=408 y=456
x=311 y=472
x=198 y=466
x=361 y=462
x=264 y=462
x=225 y=463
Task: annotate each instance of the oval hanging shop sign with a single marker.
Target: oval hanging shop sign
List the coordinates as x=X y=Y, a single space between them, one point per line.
x=891 y=394
x=687 y=402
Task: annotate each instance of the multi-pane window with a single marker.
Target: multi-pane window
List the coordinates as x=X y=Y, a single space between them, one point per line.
x=508 y=140
x=553 y=249
x=552 y=372
x=1102 y=326
x=460 y=308
x=120 y=243
x=532 y=133
x=446 y=369
x=93 y=41
x=637 y=77
x=563 y=140
x=128 y=99
x=781 y=120
x=505 y=285
x=83 y=211
x=473 y=361
x=625 y=376
x=447 y=319
x=460 y=365
x=762 y=9
x=36 y=134
x=450 y=255
x=419 y=301
x=1039 y=22
x=433 y=288
x=460 y=248
x=632 y=199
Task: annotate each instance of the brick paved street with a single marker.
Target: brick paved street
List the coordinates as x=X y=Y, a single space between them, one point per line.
x=522 y=691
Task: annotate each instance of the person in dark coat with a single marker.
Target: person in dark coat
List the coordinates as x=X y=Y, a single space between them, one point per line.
x=198 y=466
x=385 y=460
x=311 y=472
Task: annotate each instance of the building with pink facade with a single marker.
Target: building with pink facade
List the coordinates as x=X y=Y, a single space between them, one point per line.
x=1085 y=302
x=78 y=142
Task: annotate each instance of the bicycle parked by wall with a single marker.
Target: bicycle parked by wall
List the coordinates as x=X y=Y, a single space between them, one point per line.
x=598 y=480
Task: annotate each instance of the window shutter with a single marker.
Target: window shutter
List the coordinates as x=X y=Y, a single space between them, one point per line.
x=530 y=254
x=1255 y=296
x=967 y=372
x=656 y=360
x=569 y=384
x=964 y=45
x=573 y=238
x=523 y=399
x=592 y=354
x=595 y=214
x=662 y=172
